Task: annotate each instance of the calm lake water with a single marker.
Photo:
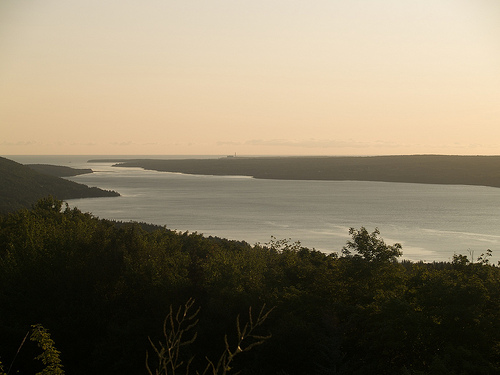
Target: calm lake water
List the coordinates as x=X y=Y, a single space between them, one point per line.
x=432 y=222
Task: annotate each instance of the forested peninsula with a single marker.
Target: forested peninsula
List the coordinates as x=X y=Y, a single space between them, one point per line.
x=22 y=186
x=59 y=170
x=428 y=169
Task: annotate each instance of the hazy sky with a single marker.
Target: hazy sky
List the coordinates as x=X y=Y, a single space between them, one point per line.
x=320 y=77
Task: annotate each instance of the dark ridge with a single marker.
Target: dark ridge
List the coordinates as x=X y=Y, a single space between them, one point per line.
x=21 y=187
x=58 y=170
x=428 y=169
x=110 y=160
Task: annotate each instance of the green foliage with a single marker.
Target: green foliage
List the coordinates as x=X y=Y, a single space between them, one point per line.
x=485 y=257
x=459 y=260
x=50 y=355
x=371 y=247
x=104 y=287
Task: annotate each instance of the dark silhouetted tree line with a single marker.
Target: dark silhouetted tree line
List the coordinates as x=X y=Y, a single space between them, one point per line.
x=22 y=186
x=103 y=289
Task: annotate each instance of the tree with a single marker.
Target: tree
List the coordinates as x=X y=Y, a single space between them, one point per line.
x=177 y=327
x=50 y=356
x=370 y=246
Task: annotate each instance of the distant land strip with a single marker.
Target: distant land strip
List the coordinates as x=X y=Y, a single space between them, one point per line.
x=58 y=170
x=426 y=169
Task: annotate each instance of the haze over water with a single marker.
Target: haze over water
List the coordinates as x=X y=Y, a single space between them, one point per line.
x=432 y=222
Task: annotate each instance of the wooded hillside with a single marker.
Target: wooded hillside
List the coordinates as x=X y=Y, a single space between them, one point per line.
x=21 y=187
x=59 y=170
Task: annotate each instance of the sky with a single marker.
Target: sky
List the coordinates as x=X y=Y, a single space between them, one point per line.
x=273 y=77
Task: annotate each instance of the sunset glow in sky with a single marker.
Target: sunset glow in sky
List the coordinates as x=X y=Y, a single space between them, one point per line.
x=282 y=77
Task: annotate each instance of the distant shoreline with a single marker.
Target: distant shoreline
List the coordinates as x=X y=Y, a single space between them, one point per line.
x=59 y=171
x=427 y=169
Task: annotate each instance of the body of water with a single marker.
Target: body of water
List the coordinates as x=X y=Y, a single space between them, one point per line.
x=432 y=222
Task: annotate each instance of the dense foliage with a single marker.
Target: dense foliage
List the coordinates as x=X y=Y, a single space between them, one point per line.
x=103 y=290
